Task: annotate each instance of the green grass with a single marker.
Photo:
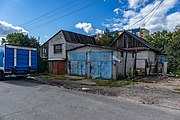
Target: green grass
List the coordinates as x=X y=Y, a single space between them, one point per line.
x=112 y=83
x=58 y=77
x=176 y=91
x=61 y=77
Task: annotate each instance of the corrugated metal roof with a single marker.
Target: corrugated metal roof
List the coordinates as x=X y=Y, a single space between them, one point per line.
x=75 y=38
x=78 y=38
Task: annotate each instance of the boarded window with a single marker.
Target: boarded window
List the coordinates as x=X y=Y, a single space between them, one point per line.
x=57 y=48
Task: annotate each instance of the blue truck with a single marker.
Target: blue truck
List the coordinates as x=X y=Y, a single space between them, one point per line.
x=16 y=61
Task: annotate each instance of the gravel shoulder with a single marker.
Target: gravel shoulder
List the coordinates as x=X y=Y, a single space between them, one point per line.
x=151 y=90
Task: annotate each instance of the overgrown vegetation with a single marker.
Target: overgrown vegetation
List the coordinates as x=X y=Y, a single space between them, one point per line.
x=168 y=43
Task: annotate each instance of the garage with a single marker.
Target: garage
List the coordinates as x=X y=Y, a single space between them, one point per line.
x=95 y=62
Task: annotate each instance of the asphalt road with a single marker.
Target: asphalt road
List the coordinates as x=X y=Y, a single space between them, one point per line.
x=28 y=100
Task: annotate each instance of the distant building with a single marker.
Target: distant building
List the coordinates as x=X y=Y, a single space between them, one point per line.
x=140 y=32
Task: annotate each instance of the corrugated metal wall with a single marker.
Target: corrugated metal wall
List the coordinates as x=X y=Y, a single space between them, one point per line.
x=78 y=63
x=101 y=64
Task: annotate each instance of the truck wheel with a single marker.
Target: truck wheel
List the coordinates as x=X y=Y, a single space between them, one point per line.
x=2 y=77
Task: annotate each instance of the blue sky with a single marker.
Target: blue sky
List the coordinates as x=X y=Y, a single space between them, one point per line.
x=84 y=16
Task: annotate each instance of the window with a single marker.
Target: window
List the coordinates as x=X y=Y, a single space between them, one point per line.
x=44 y=51
x=57 y=48
x=122 y=54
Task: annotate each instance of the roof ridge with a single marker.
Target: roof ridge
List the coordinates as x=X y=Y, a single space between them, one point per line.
x=145 y=42
x=75 y=33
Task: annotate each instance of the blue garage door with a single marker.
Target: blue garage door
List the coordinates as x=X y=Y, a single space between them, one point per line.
x=101 y=65
x=78 y=63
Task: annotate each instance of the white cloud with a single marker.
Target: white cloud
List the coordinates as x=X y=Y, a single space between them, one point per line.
x=113 y=25
x=6 y=28
x=129 y=13
x=136 y=3
x=160 y=20
x=172 y=20
x=117 y=10
x=88 y=28
x=98 y=31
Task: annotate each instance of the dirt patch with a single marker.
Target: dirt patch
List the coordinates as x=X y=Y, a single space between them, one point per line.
x=157 y=92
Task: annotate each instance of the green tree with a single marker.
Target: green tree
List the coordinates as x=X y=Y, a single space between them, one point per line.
x=160 y=40
x=107 y=38
x=21 y=40
x=169 y=43
x=174 y=52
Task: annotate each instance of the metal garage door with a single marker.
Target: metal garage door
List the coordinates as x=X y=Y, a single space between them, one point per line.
x=78 y=63
x=101 y=65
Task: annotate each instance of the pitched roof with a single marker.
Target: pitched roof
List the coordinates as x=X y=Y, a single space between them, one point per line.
x=78 y=38
x=143 y=41
x=75 y=38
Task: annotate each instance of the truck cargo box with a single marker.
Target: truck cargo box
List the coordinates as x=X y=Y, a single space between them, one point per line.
x=17 y=61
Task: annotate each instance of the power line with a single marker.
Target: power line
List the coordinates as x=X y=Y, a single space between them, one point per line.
x=51 y=15
x=152 y=14
x=45 y=14
x=146 y=14
x=70 y=13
